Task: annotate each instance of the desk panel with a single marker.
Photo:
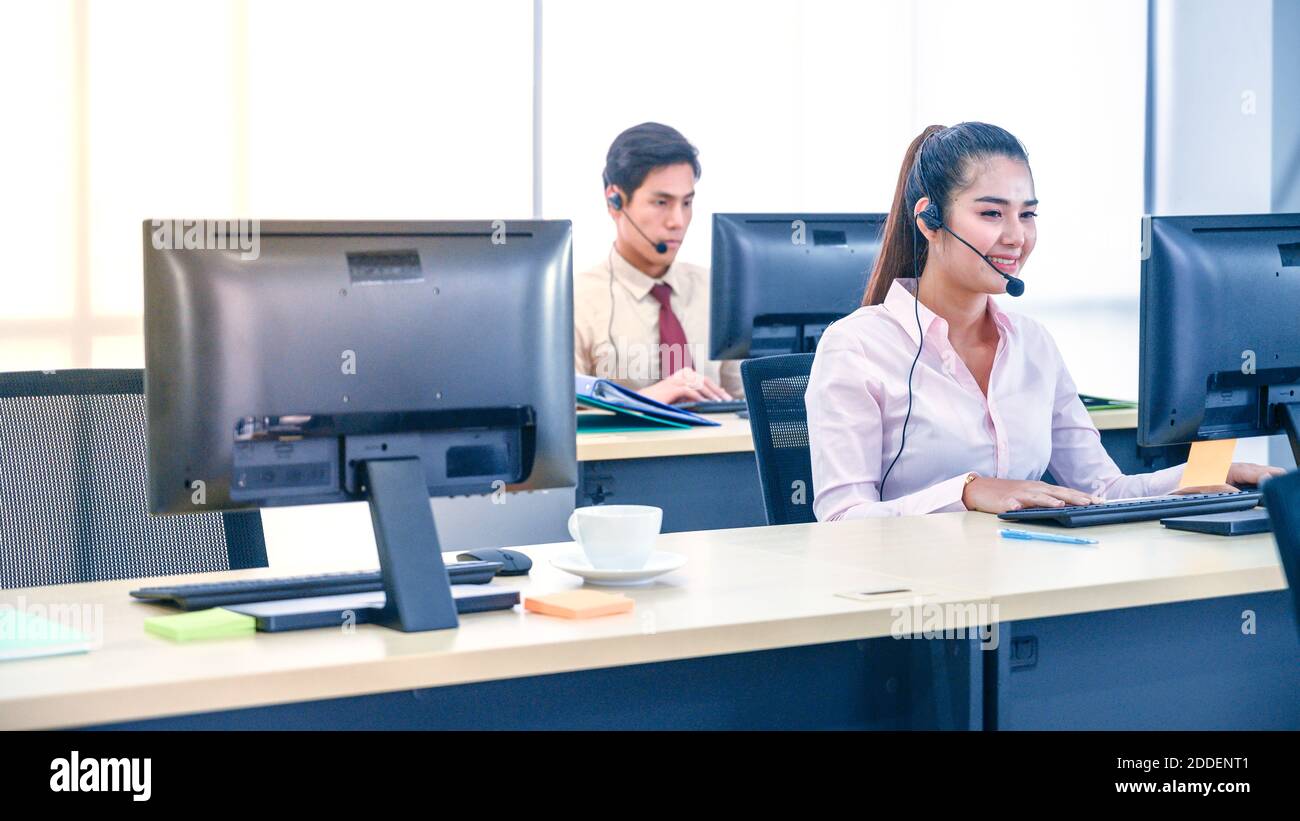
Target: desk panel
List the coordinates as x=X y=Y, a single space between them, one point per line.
x=1143 y=630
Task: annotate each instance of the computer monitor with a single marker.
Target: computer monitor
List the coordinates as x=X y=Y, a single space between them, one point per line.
x=779 y=279
x=1220 y=340
x=377 y=361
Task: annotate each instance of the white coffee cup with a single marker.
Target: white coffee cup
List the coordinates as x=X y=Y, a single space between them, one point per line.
x=616 y=537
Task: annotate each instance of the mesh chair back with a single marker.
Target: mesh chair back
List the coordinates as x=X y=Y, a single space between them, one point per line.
x=774 y=391
x=73 y=489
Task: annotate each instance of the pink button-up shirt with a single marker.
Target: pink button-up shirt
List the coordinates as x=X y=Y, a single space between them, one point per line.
x=1032 y=419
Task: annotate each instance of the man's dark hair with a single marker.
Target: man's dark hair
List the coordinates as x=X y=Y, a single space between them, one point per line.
x=643 y=148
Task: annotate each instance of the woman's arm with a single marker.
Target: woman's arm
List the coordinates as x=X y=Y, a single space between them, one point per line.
x=844 y=437
x=1078 y=458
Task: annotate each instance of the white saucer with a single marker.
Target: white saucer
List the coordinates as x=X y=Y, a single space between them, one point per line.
x=660 y=562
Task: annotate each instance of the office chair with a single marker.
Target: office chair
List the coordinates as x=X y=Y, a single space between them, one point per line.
x=774 y=390
x=73 y=489
x=1282 y=498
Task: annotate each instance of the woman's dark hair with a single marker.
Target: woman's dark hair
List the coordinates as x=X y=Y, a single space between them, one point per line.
x=938 y=164
x=643 y=148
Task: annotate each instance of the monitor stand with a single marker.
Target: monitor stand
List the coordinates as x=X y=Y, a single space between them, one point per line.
x=1236 y=523
x=417 y=591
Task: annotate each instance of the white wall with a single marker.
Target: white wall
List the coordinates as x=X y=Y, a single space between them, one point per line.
x=1285 y=150
x=38 y=167
x=1211 y=129
x=413 y=110
x=139 y=109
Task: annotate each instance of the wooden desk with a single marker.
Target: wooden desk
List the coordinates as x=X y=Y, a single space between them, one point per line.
x=749 y=633
x=736 y=595
x=732 y=436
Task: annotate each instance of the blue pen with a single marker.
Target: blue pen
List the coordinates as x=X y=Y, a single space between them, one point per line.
x=1025 y=535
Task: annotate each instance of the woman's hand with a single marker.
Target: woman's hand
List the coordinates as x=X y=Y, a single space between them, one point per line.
x=1241 y=473
x=1244 y=473
x=1000 y=495
x=685 y=385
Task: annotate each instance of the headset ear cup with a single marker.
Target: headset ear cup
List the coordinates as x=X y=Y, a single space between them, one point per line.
x=930 y=216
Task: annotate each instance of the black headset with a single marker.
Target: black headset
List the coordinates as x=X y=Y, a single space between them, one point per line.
x=934 y=220
x=931 y=212
x=616 y=202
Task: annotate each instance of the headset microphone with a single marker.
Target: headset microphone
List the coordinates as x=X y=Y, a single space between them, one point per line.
x=930 y=216
x=617 y=202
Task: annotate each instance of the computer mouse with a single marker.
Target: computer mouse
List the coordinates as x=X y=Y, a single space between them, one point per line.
x=513 y=563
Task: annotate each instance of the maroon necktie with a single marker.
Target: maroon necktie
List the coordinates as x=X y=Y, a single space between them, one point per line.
x=673 y=355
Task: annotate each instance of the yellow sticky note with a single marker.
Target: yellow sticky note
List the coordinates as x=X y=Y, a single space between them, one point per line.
x=1208 y=463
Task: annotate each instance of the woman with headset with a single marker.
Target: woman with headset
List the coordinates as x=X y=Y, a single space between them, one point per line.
x=931 y=397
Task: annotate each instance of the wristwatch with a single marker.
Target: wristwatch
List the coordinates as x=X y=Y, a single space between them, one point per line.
x=970 y=477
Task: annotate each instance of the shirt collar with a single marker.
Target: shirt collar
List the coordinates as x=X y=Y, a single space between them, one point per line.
x=1000 y=317
x=637 y=282
x=903 y=306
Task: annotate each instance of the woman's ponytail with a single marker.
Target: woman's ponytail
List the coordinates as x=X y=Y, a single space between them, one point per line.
x=897 y=245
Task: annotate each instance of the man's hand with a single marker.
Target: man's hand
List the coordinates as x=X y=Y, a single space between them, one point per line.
x=685 y=385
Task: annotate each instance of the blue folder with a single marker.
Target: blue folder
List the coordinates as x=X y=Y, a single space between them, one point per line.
x=633 y=411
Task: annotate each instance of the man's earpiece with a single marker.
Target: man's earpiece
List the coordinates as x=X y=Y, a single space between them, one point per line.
x=616 y=200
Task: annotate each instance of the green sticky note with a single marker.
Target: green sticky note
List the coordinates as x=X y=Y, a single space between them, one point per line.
x=27 y=635
x=216 y=623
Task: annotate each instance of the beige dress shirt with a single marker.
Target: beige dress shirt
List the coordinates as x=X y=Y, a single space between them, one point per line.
x=627 y=350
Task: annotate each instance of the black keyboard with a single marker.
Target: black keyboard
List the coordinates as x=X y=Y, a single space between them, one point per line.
x=718 y=406
x=1136 y=510
x=218 y=594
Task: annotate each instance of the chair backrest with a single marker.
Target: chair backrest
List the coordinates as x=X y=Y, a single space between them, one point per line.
x=1282 y=498
x=73 y=489
x=774 y=391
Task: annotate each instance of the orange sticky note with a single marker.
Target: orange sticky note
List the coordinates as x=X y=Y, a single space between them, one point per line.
x=579 y=604
x=1208 y=463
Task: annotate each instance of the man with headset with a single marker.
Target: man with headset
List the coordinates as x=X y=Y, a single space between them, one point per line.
x=641 y=318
